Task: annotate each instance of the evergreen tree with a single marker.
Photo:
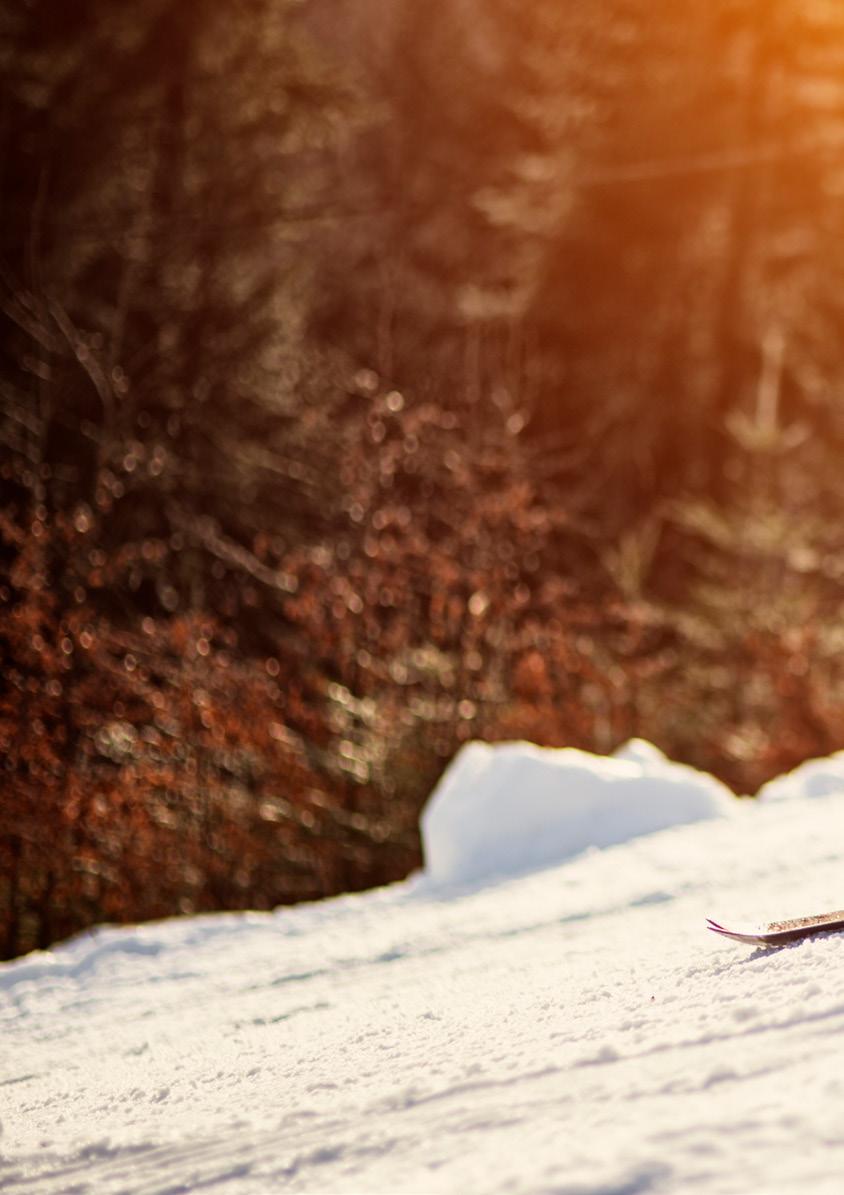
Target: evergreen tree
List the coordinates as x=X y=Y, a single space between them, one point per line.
x=164 y=168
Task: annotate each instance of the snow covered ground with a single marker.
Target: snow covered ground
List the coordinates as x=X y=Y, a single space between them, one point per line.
x=482 y=1028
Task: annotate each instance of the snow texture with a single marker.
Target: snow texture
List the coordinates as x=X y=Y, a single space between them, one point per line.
x=572 y=1030
x=814 y=778
x=511 y=808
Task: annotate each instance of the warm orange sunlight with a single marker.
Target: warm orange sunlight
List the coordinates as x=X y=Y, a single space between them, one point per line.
x=421 y=589
x=376 y=380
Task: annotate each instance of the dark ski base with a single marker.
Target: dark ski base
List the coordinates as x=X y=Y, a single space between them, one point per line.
x=780 y=933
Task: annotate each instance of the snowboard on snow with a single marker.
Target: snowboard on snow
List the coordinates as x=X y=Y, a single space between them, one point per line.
x=780 y=933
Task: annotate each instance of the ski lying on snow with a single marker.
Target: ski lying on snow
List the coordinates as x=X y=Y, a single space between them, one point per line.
x=779 y=933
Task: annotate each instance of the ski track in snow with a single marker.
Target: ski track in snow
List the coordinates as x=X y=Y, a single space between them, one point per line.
x=572 y=1031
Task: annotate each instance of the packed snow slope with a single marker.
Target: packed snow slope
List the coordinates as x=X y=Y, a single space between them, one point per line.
x=483 y=1027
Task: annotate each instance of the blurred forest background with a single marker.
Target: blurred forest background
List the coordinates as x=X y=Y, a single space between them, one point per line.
x=377 y=375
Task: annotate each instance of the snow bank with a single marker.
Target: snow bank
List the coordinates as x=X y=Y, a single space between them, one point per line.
x=575 y=1031
x=508 y=808
x=814 y=778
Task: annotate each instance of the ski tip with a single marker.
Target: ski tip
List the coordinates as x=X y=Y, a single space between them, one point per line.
x=748 y=936
x=718 y=928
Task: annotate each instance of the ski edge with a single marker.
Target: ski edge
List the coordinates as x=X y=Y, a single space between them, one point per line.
x=796 y=932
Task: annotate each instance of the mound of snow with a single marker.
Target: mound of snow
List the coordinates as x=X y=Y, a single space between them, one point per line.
x=814 y=778
x=643 y=753
x=508 y=808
